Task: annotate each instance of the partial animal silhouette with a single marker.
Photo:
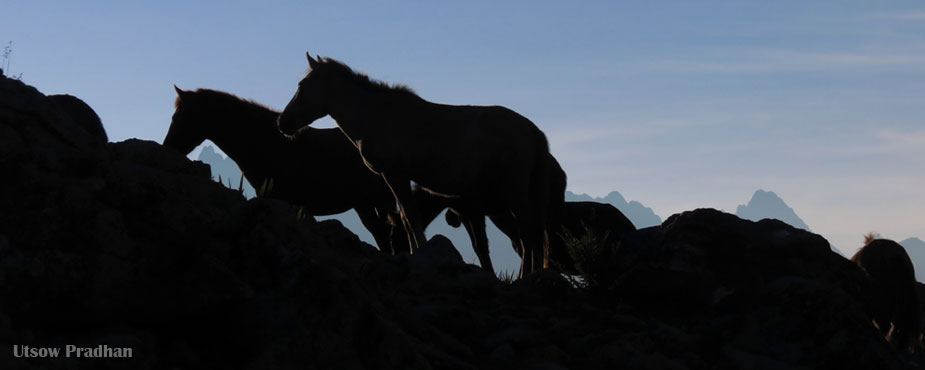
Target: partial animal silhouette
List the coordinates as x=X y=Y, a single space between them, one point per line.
x=317 y=169
x=490 y=157
x=894 y=300
x=474 y=220
x=577 y=219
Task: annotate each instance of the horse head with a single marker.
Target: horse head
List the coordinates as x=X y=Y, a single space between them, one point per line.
x=308 y=103
x=185 y=133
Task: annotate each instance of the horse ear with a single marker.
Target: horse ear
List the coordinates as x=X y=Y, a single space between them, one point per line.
x=311 y=62
x=179 y=92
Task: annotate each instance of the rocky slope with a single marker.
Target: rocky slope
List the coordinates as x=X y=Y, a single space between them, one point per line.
x=132 y=245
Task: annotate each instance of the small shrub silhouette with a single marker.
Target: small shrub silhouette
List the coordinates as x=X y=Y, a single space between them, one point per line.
x=594 y=257
x=7 y=57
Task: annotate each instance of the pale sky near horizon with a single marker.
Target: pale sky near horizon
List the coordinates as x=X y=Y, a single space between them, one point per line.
x=678 y=104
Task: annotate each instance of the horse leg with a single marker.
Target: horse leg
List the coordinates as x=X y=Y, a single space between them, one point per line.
x=531 y=214
x=401 y=189
x=428 y=206
x=533 y=241
x=378 y=226
x=398 y=235
x=475 y=226
x=508 y=226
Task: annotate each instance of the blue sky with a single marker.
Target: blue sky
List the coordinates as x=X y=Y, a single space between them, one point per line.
x=676 y=104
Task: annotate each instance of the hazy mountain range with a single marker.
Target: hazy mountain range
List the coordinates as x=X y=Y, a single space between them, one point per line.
x=916 y=249
x=763 y=204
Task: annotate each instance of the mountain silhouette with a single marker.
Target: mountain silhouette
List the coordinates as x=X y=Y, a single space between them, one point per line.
x=766 y=204
x=916 y=249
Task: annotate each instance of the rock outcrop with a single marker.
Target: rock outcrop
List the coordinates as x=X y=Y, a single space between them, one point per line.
x=132 y=245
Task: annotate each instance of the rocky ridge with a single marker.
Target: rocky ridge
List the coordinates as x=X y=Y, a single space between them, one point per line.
x=133 y=245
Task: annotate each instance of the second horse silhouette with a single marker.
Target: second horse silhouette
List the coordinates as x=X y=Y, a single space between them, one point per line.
x=492 y=159
x=316 y=169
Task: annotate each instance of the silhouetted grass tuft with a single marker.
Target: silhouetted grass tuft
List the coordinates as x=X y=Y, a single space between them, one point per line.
x=266 y=188
x=507 y=277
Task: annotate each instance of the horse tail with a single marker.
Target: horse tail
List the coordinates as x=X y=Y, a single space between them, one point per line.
x=452 y=218
x=539 y=192
x=556 y=193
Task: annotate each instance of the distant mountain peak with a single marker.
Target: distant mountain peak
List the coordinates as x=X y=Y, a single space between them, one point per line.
x=915 y=247
x=913 y=242
x=207 y=150
x=766 y=204
x=226 y=168
x=615 y=196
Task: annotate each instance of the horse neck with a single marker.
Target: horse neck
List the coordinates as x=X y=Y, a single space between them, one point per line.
x=359 y=111
x=250 y=139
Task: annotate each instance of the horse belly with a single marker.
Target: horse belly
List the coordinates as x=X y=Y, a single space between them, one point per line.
x=447 y=181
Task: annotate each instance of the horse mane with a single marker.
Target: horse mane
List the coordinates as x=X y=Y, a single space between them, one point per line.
x=869 y=238
x=363 y=80
x=224 y=97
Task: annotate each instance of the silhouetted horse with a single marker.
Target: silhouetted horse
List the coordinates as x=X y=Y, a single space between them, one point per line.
x=429 y=206
x=489 y=156
x=894 y=297
x=317 y=169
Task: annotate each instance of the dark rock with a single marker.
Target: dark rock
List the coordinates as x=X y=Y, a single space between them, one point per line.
x=543 y=285
x=81 y=113
x=516 y=336
x=503 y=355
x=439 y=251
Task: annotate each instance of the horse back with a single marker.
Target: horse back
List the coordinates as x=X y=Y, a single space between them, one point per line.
x=465 y=150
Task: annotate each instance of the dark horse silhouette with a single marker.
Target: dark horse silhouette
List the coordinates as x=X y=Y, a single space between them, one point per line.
x=894 y=299
x=577 y=218
x=489 y=156
x=474 y=220
x=317 y=169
